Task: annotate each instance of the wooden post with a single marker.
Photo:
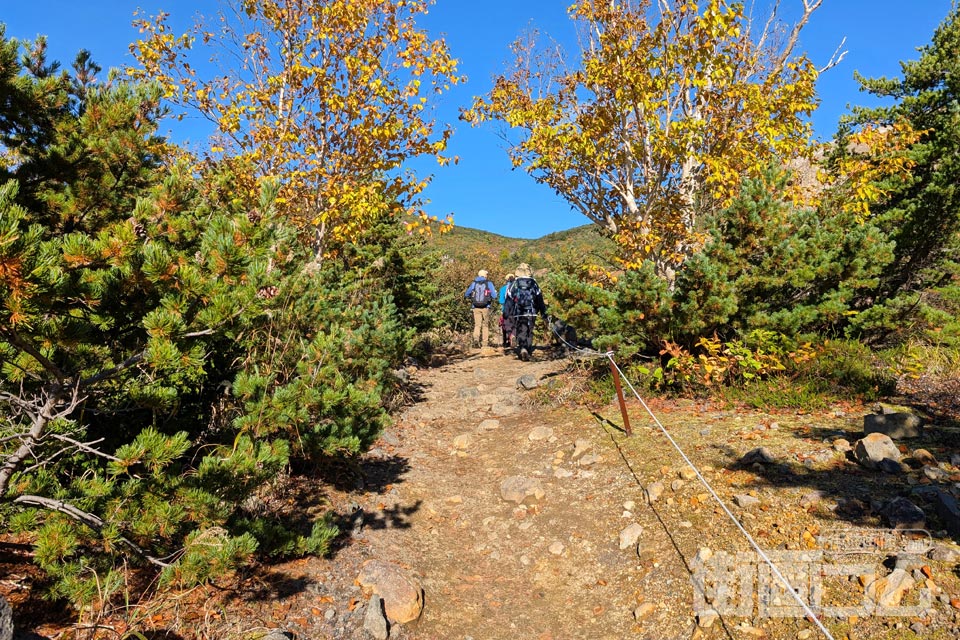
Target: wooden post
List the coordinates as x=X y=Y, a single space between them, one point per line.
x=623 y=406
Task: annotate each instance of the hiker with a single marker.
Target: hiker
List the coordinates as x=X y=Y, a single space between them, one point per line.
x=506 y=322
x=524 y=302
x=481 y=293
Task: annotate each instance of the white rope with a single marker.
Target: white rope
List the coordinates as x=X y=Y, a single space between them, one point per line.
x=723 y=506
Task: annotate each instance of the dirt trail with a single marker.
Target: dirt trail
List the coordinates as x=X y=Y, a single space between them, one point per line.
x=490 y=568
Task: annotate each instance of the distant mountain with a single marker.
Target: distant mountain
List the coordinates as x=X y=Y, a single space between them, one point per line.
x=576 y=245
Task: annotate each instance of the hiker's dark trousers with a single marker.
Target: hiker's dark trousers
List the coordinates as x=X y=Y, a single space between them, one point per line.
x=524 y=330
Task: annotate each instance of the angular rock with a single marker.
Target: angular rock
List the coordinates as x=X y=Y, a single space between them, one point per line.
x=374 y=622
x=891 y=466
x=707 y=618
x=580 y=447
x=889 y=590
x=653 y=490
x=873 y=448
x=644 y=610
x=527 y=382
x=811 y=498
x=588 y=460
x=760 y=455
x=521 y=490
x=903 y=514
x=630 y=535
x=924 y=457
x=401 y=593
x=744 y=500
x=686 y=473
x=895 y=425
x=556 y=548
x=949 y=512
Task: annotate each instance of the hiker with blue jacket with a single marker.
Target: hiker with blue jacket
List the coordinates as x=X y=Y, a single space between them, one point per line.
x=506 y=322
x=523 y=304
x=481 y=293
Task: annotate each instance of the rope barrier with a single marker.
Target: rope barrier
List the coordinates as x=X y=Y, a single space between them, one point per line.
x=773 y=567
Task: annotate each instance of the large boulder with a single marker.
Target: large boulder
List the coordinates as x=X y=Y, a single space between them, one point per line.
x=6 y=620
x=401 y=593
x=872 y=449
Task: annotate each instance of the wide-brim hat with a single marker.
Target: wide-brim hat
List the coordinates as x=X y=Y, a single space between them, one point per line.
x=482 y=273
x=523 y=270
x=510 y=276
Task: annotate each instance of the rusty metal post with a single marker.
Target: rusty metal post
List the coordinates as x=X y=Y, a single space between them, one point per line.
x=623 y=405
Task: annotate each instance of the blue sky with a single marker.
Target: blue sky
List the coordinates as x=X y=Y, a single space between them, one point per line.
x=482 y=191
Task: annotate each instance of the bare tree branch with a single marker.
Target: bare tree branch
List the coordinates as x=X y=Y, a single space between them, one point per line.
x=84 y=446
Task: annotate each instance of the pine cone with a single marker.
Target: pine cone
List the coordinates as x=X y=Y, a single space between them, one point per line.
x=268 y=293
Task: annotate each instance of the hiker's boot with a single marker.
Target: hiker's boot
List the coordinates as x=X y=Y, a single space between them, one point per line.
x=524 y=355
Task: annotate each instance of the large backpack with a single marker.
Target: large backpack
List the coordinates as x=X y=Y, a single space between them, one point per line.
x=481 y=294
x=523 y=292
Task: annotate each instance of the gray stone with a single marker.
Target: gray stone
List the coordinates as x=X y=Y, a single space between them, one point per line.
x=942 y=552
x=745 y=501
x=527 y=382
x=374 y=620
x=811 y=498
x=949 y=512
x=468 y=392
x=6 y=620
x=903 y=514
x=521 y=490
x=895 y=425
x=888 y=465
x=873 y=448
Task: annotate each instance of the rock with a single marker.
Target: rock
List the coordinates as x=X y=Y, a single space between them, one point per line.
x=903 y=514
x=462 y=441
x=468 y=392
x=580 y=447
x=540 y=433
x=562 y=473
x=873 y=448
x=889 y=590
x=401 y=593
x=760 y=455
x=521 y=490
x=894 y=425
x=891 y=466
x=842 y=445
x=942 y=552
x=811 y=498
x=276 y=634
x=924 y=457
x=329 y=614
x=804 y=634
x=589 y=459
x=686 y=473
x=556 y=548
x=936 y=474
x=653 y=490
x=676 y=485
x=503 y=409
x=490 y=424
x=949 y=512
x=630 y=535
x=527 y=382
x=644 y=610
x=706 y=619
x=744 y=500
x=374 y=622
x=6 y=620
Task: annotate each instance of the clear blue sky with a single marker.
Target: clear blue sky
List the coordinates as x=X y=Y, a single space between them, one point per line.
x=482 y=191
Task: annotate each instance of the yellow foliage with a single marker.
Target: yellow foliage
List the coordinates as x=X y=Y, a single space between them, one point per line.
x=332 y=115
x=663 y=120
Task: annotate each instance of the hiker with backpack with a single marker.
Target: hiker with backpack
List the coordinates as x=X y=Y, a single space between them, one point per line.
x=506 y=322
x=524 y=302
x=481 y=293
